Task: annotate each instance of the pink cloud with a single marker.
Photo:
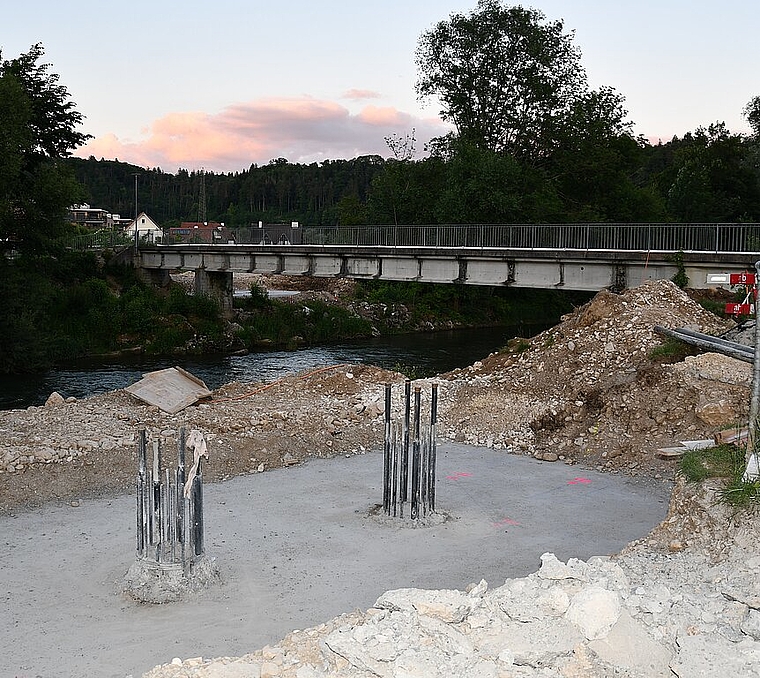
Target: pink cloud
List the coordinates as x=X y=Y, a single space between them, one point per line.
x=299 y=129
x=360 y=94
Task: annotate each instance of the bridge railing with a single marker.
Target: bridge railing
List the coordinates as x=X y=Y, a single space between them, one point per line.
x=588 y=236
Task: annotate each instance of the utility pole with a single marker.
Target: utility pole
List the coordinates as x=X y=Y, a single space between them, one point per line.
x=137 y=239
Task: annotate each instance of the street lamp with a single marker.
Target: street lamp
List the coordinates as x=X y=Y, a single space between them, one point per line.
x=136 y=175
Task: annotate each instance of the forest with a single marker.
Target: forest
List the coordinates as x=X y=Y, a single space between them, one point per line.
x=709 y=175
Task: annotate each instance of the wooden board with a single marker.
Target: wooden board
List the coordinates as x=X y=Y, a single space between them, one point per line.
x=172 y=389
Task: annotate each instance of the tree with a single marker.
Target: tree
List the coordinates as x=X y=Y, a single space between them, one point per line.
x=711 y=179
x=752 y=114
x=38 y=127
x=510 y=81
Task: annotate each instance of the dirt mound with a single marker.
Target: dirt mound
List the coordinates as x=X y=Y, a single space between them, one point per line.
x=589 y=389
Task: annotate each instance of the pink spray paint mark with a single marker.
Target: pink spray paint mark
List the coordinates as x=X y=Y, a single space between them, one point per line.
x=458 y=475
x=506 y=521
x=578 y=481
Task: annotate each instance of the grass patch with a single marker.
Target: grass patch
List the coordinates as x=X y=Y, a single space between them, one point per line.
x=714 y=462
x=741 y=493
x=670 y=351
x=726 y=462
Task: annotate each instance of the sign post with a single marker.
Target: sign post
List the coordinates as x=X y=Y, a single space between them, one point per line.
x=753 y=471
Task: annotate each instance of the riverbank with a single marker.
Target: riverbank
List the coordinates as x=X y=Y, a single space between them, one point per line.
x=587 y=393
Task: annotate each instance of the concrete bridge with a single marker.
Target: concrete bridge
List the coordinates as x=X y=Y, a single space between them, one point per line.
x=547 y=268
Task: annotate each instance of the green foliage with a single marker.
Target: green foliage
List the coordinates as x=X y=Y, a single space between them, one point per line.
x=258 y=299
x=287 y=324
x=39 y=128
x=720 y=461
x=511 y=81
x=670 y=351
x=725 y=462
x=741 y=492
x=680 y=279
x=411 y=372
x=710 y=179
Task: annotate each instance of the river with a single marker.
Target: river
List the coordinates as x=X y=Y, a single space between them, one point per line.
x=429 y=354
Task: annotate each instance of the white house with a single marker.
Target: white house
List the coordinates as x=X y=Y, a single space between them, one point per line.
x=147 y=229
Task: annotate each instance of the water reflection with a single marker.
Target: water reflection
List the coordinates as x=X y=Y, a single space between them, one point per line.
x=429 y=354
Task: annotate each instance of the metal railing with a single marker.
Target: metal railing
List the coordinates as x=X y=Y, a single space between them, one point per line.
x=589 y=236
x=99 y=240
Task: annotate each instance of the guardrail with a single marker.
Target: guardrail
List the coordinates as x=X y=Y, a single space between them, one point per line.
x=590 y=236
x=645 y=237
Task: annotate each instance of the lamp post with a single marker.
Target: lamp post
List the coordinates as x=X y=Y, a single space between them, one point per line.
x=136 y=175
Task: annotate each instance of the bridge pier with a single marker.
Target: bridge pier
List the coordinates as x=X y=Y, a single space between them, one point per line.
x=158 y=277
x=217 y=285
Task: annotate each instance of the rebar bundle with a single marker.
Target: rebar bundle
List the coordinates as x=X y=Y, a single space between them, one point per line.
x=170 y=506
x=409 y=457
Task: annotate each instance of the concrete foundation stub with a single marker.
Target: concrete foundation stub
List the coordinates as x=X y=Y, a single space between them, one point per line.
x=217 y=285
x=151 y=582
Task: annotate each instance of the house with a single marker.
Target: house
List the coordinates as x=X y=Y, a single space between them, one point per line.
x=147 y=229
x=94 y=218
x=207 y=232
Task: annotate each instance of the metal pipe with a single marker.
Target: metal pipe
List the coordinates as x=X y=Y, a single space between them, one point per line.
x=414 y=514
x=739 y=352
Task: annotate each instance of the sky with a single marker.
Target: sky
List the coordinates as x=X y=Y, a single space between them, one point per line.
x=221 y=85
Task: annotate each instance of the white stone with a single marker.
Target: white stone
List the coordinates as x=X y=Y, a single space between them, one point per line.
x=594 y=610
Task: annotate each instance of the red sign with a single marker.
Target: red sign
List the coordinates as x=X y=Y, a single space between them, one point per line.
x=740 y=309
x=744 y=278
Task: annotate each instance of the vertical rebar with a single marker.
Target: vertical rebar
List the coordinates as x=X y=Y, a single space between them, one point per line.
x=141 y=493
x=198 y=510
x=415 y=498
x=181 y=502
x=754 y=403
x=405 y=443
x=433 y=449
x=156 y=494
x=387 y=466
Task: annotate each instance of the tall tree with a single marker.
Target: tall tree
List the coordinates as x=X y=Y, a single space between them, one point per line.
x=511 y=81
x=38 y=127
x=752 y=114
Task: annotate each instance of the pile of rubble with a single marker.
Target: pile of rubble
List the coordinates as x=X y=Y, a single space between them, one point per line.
x=589 y=391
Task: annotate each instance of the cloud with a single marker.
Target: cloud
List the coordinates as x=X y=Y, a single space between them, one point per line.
x=302 y=130
x=361 y=94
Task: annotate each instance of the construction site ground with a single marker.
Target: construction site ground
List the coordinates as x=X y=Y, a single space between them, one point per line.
x=587 y=400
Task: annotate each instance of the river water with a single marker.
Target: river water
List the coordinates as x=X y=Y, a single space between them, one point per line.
x=429 y=353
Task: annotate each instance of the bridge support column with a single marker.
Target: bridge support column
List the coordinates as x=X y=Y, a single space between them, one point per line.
x=157 y=277
x=217 y=285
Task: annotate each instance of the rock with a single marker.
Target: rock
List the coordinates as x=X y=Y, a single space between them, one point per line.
x=594 y=611
x=717 y=413
x=629 y=645
x=54 y=399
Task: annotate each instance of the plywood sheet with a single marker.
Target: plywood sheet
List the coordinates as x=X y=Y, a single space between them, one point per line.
x=172 y=389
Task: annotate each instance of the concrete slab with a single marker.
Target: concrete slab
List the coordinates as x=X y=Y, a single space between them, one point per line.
x=296 y=547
